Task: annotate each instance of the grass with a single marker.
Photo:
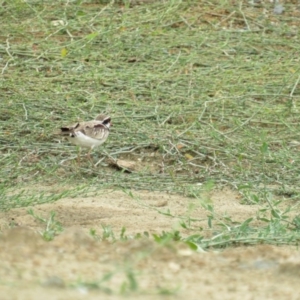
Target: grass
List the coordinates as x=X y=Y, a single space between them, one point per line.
x=201 y=92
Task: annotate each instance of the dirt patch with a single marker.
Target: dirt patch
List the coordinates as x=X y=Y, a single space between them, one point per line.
x=137 y=212
x=74 y=265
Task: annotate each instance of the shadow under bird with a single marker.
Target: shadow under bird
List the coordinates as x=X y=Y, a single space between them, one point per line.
x=89 y=134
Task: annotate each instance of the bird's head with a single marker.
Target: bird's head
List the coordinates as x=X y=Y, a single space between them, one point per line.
x=106 y=120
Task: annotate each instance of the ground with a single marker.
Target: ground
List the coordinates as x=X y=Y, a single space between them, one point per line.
x=196 y=191
x=75 y=265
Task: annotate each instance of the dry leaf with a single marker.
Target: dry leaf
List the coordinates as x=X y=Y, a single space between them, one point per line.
x=127 y=165
x=188 y=156
x=63 y=52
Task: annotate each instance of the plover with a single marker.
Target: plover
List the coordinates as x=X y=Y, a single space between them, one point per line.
x=89 y=134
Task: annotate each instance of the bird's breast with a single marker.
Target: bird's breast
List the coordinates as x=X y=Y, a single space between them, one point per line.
x=83 y=140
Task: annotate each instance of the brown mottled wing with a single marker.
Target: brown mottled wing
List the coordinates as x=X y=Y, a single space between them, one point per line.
x=94 y=129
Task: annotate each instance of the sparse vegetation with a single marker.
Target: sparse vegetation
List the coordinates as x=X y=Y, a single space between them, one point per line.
x=203 y=95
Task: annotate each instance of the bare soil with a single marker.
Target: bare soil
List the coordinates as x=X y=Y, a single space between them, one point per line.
x=32 y=268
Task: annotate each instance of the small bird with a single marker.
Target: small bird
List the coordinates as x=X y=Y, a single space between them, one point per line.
x=89 y=134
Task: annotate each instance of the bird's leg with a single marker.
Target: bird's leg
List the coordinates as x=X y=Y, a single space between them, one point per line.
x=90 y=156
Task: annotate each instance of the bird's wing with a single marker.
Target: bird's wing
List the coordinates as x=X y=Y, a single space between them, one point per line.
x=93 y=129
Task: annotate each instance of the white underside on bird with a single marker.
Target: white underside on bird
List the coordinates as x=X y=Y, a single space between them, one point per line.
x=83 y=140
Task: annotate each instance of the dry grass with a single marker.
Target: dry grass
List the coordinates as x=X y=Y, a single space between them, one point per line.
x=198 y=91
